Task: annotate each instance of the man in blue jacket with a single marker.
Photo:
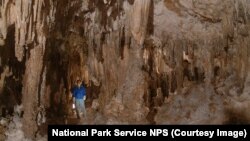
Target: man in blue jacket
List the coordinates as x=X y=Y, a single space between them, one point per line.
x=79 y=96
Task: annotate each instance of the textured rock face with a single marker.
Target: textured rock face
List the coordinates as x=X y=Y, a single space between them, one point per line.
x=23 y=29
x=139 y=20
x=144 y=61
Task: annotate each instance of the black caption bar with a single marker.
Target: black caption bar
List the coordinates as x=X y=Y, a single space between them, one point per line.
x=171 y=132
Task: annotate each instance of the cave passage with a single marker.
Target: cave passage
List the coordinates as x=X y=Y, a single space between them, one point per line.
x=141 y=61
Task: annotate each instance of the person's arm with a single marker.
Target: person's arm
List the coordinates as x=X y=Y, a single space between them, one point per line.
x=84 y=93
x=73 y=95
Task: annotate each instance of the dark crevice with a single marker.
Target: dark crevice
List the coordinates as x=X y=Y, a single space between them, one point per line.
x=150 y=26
x=187 y=72
x=122 y=43
x=158 y=90
x=93 y=92
x=12 y=91
x=173 y=82
x=216 y=71
x=165 y=85
x=56 y=71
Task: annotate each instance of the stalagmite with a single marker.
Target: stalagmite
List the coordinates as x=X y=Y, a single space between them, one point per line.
x=30 y=97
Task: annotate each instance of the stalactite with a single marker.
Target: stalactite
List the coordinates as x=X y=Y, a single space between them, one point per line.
x=196 y=49
x=3 y=21
x=139 y=20
x=29 y=21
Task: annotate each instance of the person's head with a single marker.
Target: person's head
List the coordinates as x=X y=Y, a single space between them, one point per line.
x=79 y=83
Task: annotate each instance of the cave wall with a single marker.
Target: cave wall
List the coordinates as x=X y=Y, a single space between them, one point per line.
x=23 y=52
x=180 y=43
x=141 y=59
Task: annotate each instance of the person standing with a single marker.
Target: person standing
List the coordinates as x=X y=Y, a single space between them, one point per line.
x=79 y=97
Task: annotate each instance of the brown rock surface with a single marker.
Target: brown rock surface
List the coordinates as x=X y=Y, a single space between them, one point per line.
x=144 y=61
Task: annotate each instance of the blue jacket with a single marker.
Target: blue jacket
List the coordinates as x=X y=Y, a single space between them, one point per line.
x=79 y=93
